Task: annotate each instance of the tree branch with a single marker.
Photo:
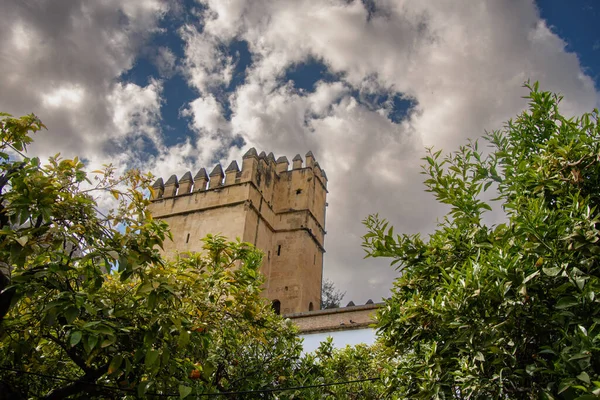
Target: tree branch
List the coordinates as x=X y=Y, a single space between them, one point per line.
x=84 y=385
x=72 y=355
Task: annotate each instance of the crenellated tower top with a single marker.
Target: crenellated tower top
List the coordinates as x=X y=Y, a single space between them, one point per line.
x=233 y=174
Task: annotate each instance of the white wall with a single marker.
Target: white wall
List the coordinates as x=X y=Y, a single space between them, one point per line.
x=340 y=338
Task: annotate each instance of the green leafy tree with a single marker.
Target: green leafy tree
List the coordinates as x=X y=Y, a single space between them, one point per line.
x=87 y=298
x=330 y=296
x=505 y=311
x=359 y=365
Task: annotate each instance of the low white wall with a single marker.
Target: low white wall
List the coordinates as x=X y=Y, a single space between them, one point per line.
x=341 y=338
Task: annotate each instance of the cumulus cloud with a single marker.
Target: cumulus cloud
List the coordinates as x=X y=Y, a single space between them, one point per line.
x=62 y=60
x=207 y=114
x=460 y=65
x=206 y=66
x=135 y=112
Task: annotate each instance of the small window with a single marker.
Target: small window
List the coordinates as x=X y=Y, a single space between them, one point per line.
x=277 y=306
x=268 y=255
x=187 y=240
x=315 y=259
x=310 y=306
x=279 y=250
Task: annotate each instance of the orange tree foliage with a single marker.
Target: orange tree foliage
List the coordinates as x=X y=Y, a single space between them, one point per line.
x=85 y=295
x=505 y=311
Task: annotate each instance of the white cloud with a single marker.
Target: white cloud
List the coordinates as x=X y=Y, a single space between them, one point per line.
x=206 y=66
x=69 y=96
x=135 y=110
x=207 y=114
x=63 y=62
x=461 y=64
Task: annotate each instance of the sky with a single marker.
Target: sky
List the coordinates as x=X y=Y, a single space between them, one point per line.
x=174 y=86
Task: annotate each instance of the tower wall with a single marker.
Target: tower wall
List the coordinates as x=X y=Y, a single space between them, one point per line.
x=280 y=211
x=221 y=211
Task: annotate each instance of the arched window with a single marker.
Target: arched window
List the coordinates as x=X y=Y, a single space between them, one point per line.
x=310 y=306
x=277 y=306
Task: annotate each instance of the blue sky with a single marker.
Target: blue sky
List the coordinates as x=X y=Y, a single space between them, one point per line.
x=577 y=24
x=172 y=86
x=574 y=22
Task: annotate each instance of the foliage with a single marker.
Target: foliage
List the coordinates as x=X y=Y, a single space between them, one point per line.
x=507 y=311
x=329 y=365
x=86 y=295
x=330 y=296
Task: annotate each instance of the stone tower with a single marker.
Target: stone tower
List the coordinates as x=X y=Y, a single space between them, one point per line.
x=279 y=210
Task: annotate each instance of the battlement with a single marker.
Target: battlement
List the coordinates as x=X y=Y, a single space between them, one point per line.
x=280 y=210
x=256 y=168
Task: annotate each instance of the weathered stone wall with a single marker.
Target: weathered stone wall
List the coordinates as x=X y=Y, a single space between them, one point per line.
x=353 y=317
x=220 y=211
x=188 y=229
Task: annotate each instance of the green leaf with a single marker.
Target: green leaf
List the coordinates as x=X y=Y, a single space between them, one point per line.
x=564 y=385
x=23 y=240
x=584 y=377
x=151 y=357
x=184 y=391
x=92 y=341
x=566 y=302
x=580 y=356
x=145 y=288
x=165 y=356
x=70 y=314
x=184 y=337
x=207 y=370
x=152 y=300
x=552 y=271
x=594 y=249
x=104 y=329
x=485 y=206
x=149 y=337
x=143 y=388
x=115 y=364
x=531 y=276
x=75 y=338
x=108 y=341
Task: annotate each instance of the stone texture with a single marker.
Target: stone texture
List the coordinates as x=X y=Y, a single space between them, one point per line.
x=281 y=212
x=335 y=319
x=297 y=162
x=185 y=183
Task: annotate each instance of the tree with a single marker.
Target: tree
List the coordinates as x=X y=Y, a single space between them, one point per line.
x=86 y=295
x=330 y=296
x=359 y=365
x=505 y=311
